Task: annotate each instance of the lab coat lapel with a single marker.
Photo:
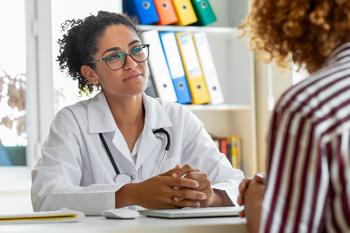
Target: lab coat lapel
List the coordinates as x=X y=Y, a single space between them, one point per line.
x=101 y=120
x=147 y=145
x=120 y=143
x=155 y=118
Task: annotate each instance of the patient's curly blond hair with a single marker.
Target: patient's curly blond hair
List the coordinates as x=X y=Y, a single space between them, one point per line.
x=304 y=30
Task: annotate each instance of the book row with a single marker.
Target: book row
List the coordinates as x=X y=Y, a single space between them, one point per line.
x=231 y=148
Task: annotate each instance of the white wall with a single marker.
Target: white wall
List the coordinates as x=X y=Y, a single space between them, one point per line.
x=270 y=83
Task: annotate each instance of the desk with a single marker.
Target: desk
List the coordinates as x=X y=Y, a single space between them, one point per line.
x=139 y=225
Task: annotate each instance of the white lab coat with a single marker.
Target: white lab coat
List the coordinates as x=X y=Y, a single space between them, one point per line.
x=76 y=173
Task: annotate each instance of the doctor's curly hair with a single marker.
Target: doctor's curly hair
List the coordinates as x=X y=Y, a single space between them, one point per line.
x=306 y=31
x=81 y=40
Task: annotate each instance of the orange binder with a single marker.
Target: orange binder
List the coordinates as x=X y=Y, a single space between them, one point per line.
x=166 y=12
x=185 y=12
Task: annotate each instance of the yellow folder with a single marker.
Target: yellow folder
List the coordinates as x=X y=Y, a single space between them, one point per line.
x=194 y=74
x=185 y=12
x=63 y=215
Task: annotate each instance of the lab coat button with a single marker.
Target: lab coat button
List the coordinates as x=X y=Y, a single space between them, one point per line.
x=132 y=177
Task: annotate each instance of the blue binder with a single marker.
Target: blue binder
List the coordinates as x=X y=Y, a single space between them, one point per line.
x=144 y=10
x=175 y=66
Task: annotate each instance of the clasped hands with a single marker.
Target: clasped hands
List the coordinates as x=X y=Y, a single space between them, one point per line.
x=182 y=186
x=194 y=186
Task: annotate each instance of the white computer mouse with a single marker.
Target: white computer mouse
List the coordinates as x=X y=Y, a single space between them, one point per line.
x=121 y=213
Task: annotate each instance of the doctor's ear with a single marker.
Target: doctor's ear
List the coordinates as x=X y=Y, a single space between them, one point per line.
x=89 y=74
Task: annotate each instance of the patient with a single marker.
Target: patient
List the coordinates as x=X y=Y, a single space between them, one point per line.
x=308 y=169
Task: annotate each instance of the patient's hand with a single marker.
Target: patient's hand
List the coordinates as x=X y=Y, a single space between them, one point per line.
x=243 y=186
x=252 y=195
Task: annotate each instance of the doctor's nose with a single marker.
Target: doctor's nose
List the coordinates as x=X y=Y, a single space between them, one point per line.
x=129 y=63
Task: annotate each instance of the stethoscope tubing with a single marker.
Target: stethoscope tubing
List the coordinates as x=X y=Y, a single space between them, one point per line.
x=157 y=131
x=115 y=167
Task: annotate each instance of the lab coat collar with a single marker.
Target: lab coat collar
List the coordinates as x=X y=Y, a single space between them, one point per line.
x=101 y=120
x=100 y=117
x=155 y=115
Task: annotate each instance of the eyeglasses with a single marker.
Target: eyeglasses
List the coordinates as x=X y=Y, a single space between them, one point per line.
x=117 y=59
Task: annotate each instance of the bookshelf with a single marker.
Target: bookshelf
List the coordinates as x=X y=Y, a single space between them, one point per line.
x=234 y=63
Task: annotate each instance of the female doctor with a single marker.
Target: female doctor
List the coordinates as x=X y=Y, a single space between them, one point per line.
x=123 y=147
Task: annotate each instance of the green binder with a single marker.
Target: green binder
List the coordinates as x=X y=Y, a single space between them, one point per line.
x=204 y=12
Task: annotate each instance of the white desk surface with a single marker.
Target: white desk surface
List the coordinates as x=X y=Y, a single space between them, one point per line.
x=140 y=224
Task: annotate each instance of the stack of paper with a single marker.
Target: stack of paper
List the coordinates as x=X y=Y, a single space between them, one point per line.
x=42 y=217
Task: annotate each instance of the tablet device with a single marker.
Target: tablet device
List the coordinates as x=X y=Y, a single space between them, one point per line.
x=193 y=212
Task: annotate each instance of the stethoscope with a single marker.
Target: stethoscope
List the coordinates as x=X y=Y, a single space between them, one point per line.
x=123 y=178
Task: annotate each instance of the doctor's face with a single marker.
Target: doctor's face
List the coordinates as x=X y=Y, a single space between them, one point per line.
x=118 y=73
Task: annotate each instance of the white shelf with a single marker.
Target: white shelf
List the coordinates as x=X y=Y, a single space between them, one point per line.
x=221 y=30
x=219 y=107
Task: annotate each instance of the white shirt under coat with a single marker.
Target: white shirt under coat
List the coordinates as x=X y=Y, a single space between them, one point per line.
x=76 y=173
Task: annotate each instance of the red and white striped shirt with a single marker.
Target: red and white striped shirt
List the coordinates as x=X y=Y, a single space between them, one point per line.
x=308 y=180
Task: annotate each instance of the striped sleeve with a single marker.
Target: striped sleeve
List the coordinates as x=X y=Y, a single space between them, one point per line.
x=308 y=186
x=337 y=214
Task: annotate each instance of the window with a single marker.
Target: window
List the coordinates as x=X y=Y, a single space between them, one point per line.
x=18 y=85
x=13 y=132
x=29 y=76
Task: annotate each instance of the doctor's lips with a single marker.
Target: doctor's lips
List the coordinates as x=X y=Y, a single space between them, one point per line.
x=133 y=75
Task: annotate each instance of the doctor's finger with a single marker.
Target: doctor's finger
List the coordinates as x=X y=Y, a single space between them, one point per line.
x=183 y=183
x=201 y=177
x=178 y=172
x=186 y=203
x=171 y=171
x=189 y=194
x=186 y=169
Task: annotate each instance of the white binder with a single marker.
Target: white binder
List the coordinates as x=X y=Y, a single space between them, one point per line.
x=176 y=69
x=208 y=68
x=159 y=67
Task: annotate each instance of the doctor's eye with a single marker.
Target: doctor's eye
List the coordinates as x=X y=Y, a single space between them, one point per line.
x=137 y=50
x=114 y=57
x=140 y=53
